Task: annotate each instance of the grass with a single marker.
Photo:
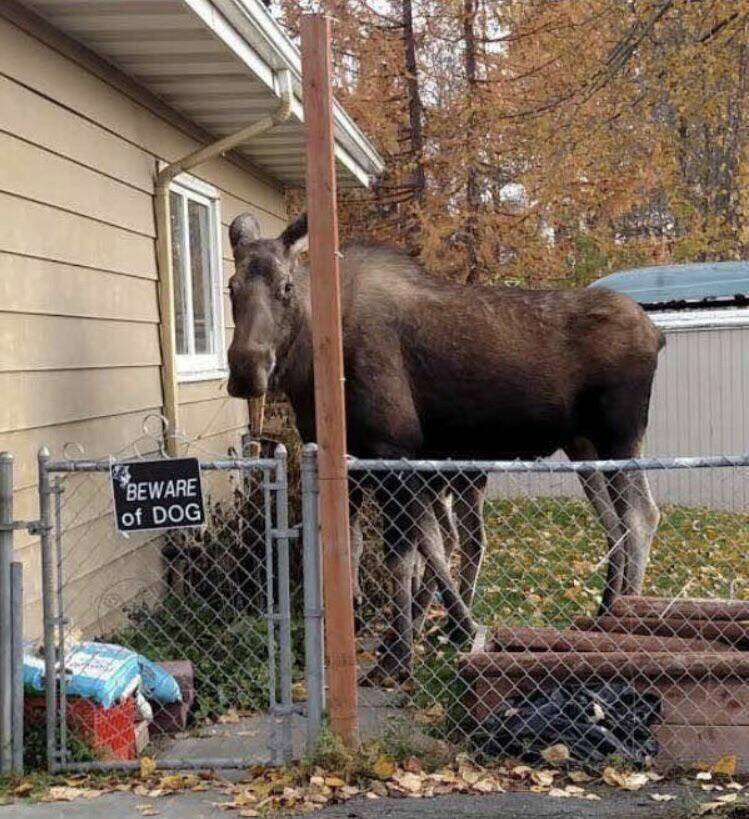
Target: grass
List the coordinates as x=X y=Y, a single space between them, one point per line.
x=544 y=562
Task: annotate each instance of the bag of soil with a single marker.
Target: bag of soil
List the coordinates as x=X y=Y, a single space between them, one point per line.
x=594 y=720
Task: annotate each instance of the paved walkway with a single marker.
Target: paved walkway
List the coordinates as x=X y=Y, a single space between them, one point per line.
x=618 y=805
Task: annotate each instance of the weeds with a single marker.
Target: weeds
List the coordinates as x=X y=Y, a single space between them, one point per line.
x=228 y=651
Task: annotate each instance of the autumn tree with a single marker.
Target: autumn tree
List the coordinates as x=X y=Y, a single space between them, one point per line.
x=549 y=141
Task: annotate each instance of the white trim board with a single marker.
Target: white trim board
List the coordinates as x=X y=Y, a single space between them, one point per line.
x=701 y=319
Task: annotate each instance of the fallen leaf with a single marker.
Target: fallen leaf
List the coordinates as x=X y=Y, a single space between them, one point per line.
x=704 y=776
x=543 y=778
x=408 y=782
x=521 y=771
x=558 y=793
x=735 y=786
x=725 y=766
x=623 y=780
x=248 y=812
x=147 y=766
x=662 y=797
x=66 y=793
x=334 y=781
x=384 y=767
x=229 y=718
x=727 y=798
x=709 y=807
x=578 y=777
x=556 y=754
x=488 y=786
x=23 y=789
x=469 y=775
x=172 y=783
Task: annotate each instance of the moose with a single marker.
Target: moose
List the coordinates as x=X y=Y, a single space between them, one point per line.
x=439 y=370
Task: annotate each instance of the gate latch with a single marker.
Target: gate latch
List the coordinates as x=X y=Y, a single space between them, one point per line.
x=285 y=534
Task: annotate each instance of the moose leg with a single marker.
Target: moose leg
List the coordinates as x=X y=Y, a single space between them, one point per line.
x=641 y=519
x=469 y=495
x=443 y=537
x=402 y=503
x=461 y=626
x=596 y=490
x=639 y=516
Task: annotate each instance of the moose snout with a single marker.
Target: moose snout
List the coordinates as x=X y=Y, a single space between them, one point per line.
x=250 y=369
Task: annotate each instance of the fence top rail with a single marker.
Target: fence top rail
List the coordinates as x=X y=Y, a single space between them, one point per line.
x=104 y=464
x=545 y=467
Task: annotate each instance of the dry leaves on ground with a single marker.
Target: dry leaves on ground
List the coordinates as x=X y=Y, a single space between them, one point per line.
x=65 y=793
x=625 y=780
x=269 y=791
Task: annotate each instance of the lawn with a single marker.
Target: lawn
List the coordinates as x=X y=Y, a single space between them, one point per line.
x=544 y=560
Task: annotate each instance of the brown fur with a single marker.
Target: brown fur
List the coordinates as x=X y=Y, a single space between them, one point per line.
x=441 y=370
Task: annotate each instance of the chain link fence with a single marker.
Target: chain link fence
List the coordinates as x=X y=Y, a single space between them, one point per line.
x=212 y=606
x=546 y=610
x=554 y=605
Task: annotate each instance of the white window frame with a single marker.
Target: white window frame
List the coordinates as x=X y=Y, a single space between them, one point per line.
x=213 y=366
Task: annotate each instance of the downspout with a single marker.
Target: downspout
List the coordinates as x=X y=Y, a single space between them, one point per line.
x=164 y=243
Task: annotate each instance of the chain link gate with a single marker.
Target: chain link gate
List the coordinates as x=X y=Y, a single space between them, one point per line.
x=219 y=597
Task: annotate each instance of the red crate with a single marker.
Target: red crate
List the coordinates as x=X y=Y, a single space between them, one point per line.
x=109 y=732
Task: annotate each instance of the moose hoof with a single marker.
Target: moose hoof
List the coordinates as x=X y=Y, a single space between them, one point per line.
x=461 y=633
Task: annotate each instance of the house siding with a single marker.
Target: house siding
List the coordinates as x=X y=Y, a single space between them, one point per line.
x=79 y=344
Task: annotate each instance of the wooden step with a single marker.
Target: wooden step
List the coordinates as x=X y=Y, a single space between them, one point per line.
x=681 y=609
x=734 y=634
x=551 y=639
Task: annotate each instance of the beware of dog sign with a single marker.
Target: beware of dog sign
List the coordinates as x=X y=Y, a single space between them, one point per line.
x=165 y=494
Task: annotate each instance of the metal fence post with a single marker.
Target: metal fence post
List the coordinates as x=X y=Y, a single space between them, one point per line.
x=284 y=598
x=6 y=555
x=314 y=664
x=48 y=608
x=16 y=576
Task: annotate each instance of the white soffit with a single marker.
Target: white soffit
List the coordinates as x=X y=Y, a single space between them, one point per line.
x=213 y=61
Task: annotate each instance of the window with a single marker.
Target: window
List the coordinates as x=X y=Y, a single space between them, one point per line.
x=196 y=258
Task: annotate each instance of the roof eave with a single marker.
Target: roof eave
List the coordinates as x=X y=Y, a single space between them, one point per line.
x=265 y=48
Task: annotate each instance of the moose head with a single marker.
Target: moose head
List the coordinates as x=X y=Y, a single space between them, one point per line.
x=264 y=302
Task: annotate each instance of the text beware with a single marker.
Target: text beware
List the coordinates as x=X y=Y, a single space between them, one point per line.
x=164 y=494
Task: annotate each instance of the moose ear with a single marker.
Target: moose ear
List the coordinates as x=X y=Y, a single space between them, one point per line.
x=243 y=230
x=295 y=238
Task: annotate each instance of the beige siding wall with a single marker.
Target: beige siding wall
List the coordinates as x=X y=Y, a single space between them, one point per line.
x=79 y=343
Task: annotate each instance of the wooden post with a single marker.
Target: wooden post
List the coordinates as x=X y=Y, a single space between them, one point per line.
x=328 y=366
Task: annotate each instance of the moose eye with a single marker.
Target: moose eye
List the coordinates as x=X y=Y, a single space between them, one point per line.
x=286 y=290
